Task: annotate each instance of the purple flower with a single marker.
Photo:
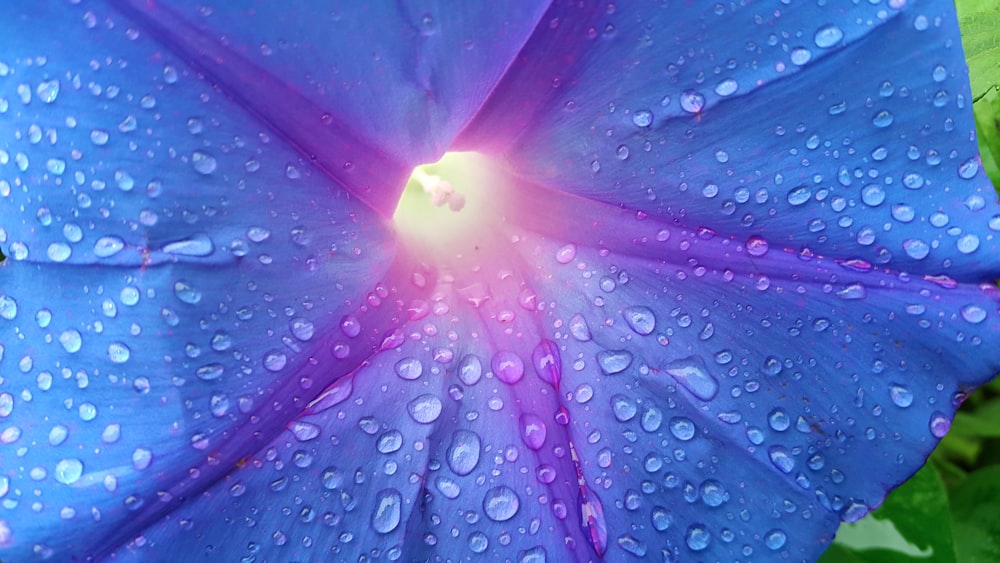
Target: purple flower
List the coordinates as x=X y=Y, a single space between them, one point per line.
x=716 y=280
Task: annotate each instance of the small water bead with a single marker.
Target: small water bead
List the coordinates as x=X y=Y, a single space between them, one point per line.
x=901 y=396
x=478 y=542
x=68 y=471
x=623 y=408
x=903 y=213
x=682 y=428
x=197 y=245
x=967 y=244
x=59 y=252
x=409 y=368
x=640 y=319
x=779 y=420
x=508 y=367
x=756 y=246
x=470 y=369
x=775 y=539
x=969 y=168
x=425 y=409
x=463 y=453
x=916 y=248
x=275 y=360
x=209 y=372
x=973 y=314
x=692 y=374
x=203 y=163
x=622 y=152
x=48 y=91
x=501 y=503
x=8 y=307
x=108 y=246
x=118 y=352
x=614 y=361
x=798 y=195
x=58 y=435
x=781 y=458
x=642 y=118
x=882 y=119
x=302 y=329
x=71 y=340
x=305 y=431
x=581 y=331
x=697 y=537
x=800 y=56
x=388 y=511
x=56 y=166
x=533 y=431
x=873 y=195
x=727 y=87
x=692 y=102
x=566 y=253
x=828 y=36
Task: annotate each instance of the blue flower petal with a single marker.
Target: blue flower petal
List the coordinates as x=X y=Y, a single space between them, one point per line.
x=444 y=445
x=406 y=76
x=838 y=131
x=174 y=276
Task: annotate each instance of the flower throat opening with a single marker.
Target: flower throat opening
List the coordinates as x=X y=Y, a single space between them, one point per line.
x=442 y=208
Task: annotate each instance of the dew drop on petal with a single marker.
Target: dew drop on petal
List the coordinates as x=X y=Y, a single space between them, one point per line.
x=425 y=409
x=614 y=361
x=409 y=368
x=640 y=319
x=388 y=511
x=566 y=253
x=692 y=374
x=508 y=367
x=682 y=428
x=692 y=102
x=71 y=340
x=828 y=36
x=697 y=537
x=108 y=246
x=973 y=314
x=900 y=395
x=68 y=471
x=775 y=539
x=463 y=453
x=642 y=118
x=203 y=163
x=939 y=425
x=533 y=431
x=470 y=369
x=501 y=503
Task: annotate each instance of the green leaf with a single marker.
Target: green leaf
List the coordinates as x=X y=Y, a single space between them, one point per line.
x=987 y=113
x=908 y=528
x=975 y=505
x=980 y=24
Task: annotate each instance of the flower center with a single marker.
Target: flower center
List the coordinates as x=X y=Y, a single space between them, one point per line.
x=443 y=207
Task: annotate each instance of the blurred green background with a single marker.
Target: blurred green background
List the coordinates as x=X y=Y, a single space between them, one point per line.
x=949 y=512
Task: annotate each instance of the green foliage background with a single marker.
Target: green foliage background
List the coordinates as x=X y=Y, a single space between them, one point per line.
x=949 y=512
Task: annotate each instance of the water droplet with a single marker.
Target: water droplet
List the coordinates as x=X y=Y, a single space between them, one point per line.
x=71 y=340
x=692 y=102
x=727 y=87
x=275 y=360
x=775 y=539
x=973 y=314
x=119 y=352
x=781 y=458
x=642 y=118
x=302 y=329
x=566 y=253
x=508 y=367
x=969 y=168
x=59 y=252
x=470 y=370
x=501 y=503
x=579 y=329
x=697 y=537
x=533 y=431
x=692 y=374
x=900 y=395
x=203 y=163
x=305 y=431
x=757 y=246
x=545 y=359
x=8 y=307
x=682 y=428
x=209 y=372
x=640 y=319
x=478 y=542
x=69 y=471
x=106 y=247
x=388 y=511
x=463 y=453
x=614 y=361
x=828 y=36
x=882 y=119
x=873 y=195
x=800 y=56
x=916 y=248
x=409 y=368
x=779 y=420
x=425 y=409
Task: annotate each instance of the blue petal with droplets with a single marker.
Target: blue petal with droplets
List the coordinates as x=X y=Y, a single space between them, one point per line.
x=853 y=138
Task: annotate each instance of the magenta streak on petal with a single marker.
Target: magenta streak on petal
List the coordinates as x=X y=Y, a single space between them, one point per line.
x=339 y=149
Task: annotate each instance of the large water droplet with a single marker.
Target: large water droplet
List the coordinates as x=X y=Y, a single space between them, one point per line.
x=388 y=511
x=69 y=471
x=533 y=430
x=203 y=163
x=425 y=409
x=463 y=453
x=828 y=36
x=508 y=367
x=640 y=319
x=693 y=375
x=501 y=503
x=614 y=361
